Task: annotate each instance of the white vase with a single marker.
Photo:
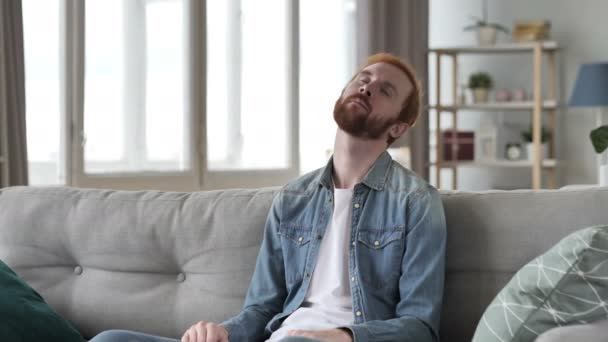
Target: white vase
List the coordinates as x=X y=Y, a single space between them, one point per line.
x=480 y=95
x=603 y=175
x=544 y=151
x=486 y=35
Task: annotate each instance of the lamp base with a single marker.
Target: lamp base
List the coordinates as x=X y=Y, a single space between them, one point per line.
x=602 y=158
x=603 y=175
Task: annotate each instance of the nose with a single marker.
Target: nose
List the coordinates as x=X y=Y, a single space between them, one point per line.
x=365 y=91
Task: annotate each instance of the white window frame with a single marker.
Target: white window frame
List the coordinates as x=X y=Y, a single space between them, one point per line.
x=198 y=177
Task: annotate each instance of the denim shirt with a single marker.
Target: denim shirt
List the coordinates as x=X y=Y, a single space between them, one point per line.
x=396 y=257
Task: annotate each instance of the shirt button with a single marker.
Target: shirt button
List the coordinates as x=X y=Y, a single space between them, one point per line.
x=354 y=243
x=376 y=243
x=358 y=313
x=353 y=279
x=300 y=239
x=78 y=270
x=357 y=205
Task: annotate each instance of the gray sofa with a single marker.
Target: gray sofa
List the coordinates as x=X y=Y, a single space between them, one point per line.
x=160 y=261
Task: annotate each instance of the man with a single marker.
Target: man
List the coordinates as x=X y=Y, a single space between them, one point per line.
x=353 y=251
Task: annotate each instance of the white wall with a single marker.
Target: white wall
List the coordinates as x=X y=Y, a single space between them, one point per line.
x=579 y=27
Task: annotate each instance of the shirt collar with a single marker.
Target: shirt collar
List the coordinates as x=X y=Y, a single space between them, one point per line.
x=375 y=177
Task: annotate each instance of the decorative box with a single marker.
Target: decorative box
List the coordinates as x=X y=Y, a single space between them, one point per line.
x=464 y=142
x=529 y=31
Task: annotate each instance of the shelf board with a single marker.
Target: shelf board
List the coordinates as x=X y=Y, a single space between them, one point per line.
x=547 y=163
x=498 y=106
x=547 y=45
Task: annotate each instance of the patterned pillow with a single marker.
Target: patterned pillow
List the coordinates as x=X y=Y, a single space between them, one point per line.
x=566 y=285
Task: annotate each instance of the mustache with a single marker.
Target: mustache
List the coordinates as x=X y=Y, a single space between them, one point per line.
x=361 y=98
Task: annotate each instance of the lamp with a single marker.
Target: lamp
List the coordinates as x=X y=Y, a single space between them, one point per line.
x=591 y=90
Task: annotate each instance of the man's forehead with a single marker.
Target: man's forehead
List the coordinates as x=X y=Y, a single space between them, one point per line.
x=391 y=73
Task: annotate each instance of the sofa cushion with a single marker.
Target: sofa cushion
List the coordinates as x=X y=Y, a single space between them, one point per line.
x=24 y=315
x=566 y=285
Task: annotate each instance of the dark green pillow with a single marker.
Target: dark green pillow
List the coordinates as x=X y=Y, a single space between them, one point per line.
x=24 y=316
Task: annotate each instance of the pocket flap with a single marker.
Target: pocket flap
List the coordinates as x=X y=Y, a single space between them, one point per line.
x=298 y=234
x=378 y=238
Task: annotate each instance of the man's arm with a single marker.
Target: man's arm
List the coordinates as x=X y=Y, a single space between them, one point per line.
x=422 y=277
x=267 y=291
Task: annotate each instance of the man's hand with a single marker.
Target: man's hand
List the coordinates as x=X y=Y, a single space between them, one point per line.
x=205 y=332
x=332 y=335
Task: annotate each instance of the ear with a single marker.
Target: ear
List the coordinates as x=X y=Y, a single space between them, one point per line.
x=398 y=129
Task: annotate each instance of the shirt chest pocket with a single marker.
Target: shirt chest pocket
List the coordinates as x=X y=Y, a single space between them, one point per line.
x=299 y=235
x=379 y=238
x=295 y=242
x=379 y=256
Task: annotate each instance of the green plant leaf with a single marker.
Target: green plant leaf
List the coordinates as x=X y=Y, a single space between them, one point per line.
x=480 y=80
x=527 y=135
x=599 y=138
x=499 y=27
x=479 y=22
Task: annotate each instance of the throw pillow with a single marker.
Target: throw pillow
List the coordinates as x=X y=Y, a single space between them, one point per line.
x=566 y=285
x=24 y=316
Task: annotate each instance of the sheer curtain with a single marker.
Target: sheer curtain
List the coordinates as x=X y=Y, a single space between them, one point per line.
x=399 y=27
x=12 y=95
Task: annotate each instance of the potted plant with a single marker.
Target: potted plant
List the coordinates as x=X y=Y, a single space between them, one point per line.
x=480 y=83
x=545 y=136
x=599 y=140
x=486 y=31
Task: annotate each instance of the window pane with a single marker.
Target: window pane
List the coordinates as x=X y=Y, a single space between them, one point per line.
x=104 y=113
x=217 y=83
x=247 y=85
x=134 y=90
x=41 y=45
x=327 y=54
x=165 y=125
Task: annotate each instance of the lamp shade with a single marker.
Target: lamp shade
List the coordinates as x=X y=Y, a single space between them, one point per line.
x=591 y=87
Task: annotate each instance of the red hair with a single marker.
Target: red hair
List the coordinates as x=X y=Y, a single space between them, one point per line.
x=410 y=111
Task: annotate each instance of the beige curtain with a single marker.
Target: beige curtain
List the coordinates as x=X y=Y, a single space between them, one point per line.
x=400 y=27
x=12 y=95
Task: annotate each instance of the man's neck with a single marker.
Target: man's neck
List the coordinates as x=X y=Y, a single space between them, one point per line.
x=353 y=157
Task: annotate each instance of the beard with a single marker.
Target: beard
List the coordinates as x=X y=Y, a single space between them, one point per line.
x=358 y=122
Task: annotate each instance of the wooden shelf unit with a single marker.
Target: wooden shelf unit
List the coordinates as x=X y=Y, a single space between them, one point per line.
x=547 y=163
x=537 y=106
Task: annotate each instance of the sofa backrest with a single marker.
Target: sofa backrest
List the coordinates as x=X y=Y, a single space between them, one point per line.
x=160 y=261
x=493 y=234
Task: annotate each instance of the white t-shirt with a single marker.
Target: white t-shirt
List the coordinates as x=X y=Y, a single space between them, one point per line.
x=328 y=302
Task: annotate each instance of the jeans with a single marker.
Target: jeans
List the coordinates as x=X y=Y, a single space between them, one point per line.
x=133 y=336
